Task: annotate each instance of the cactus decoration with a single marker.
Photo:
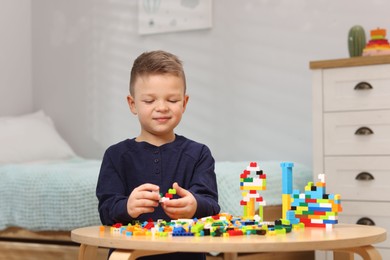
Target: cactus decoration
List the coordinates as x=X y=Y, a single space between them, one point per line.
x=356 y=41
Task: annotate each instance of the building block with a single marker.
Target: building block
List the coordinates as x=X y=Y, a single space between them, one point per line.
x=252 y=179
x=313 y=208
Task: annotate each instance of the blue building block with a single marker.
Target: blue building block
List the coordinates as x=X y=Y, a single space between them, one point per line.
x=287 y=182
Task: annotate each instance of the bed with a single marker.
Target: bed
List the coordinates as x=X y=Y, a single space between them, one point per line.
x=47 y=190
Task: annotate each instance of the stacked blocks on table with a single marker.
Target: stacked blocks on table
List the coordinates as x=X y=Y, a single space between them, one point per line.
x=287 y=184
x=314 y=207
x=251 y=181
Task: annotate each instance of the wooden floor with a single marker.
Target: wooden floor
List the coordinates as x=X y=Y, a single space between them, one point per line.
x=21 y=244
x=35 y=251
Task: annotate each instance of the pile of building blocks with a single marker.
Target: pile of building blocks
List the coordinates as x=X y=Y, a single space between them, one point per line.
x=221 y=225
x=313 y=208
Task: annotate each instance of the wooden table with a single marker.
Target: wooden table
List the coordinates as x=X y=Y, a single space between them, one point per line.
x=342 y=238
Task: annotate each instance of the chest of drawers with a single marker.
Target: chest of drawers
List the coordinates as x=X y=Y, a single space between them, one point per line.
x=351 y=138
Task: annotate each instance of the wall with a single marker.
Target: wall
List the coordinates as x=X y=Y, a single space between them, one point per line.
x=15 y=57
x=248 y=77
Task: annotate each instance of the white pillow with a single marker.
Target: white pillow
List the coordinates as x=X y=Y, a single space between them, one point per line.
x=31 y=137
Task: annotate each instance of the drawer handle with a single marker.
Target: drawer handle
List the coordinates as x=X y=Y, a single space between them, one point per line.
x=364 y=176
x=366 y=221
x=363 y=86
x=364 y=131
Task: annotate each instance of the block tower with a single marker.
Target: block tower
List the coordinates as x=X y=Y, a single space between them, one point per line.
x=378 y=44
x=252 y=179
x=287 y=187
x=314 y=207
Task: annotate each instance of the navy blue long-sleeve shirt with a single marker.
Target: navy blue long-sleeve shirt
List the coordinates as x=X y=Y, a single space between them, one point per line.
x=128 y=164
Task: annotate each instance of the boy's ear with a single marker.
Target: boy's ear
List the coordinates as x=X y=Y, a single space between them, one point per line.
x=186 y=98
x=131 y=102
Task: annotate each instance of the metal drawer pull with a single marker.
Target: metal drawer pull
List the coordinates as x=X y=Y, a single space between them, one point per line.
x=364 y=176
x=363 y=86
x=365 y=221
x=364 y=131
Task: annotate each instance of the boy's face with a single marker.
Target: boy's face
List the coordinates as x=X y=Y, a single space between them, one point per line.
x=159 y=101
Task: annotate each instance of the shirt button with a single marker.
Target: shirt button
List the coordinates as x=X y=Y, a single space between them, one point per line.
x=156 y=160
x=156 y=152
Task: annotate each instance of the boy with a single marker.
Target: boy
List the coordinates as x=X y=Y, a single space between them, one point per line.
x=134 y=171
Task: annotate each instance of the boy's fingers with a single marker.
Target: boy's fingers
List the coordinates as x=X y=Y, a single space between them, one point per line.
x=148 y=195
x=146 y=191
x=147 y=203
x=148 y=187
x=179 y=190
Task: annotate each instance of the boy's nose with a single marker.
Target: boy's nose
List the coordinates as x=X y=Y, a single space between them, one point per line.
x=162 y=106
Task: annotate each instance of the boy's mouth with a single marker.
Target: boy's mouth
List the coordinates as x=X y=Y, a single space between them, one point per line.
x=161 y=119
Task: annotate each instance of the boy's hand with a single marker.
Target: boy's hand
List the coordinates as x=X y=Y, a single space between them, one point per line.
x=143 y=199
x=184 y=207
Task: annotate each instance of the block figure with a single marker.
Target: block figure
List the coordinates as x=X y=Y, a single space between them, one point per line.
x=287 y=184
x=314 y=207
x=252 y=180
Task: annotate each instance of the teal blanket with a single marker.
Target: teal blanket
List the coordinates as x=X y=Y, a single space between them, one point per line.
x=49 y=196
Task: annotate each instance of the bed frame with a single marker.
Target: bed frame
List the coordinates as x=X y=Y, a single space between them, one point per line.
x=17 y=243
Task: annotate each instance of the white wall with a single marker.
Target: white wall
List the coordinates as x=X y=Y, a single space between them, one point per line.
x=248 y=76
x=15 y=57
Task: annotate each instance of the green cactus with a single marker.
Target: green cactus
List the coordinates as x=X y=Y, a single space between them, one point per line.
x=356 y=41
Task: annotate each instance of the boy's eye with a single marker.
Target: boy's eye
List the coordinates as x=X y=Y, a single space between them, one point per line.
x=173 y=101
x=148 y=101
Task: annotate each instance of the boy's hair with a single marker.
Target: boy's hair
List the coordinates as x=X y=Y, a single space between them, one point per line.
x=154 y=63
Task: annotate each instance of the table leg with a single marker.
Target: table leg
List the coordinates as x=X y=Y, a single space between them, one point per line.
x=366 y=252
x=87 y=252
x=343 y=256
x=119 y=254
x=230 y=256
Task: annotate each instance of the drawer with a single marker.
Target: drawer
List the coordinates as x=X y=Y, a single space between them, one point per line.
x=378 y=212
x=346 y=133
x=359 y=178
x=342 y=90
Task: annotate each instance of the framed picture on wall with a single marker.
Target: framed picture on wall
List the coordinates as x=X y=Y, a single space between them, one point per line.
x=161 y=16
